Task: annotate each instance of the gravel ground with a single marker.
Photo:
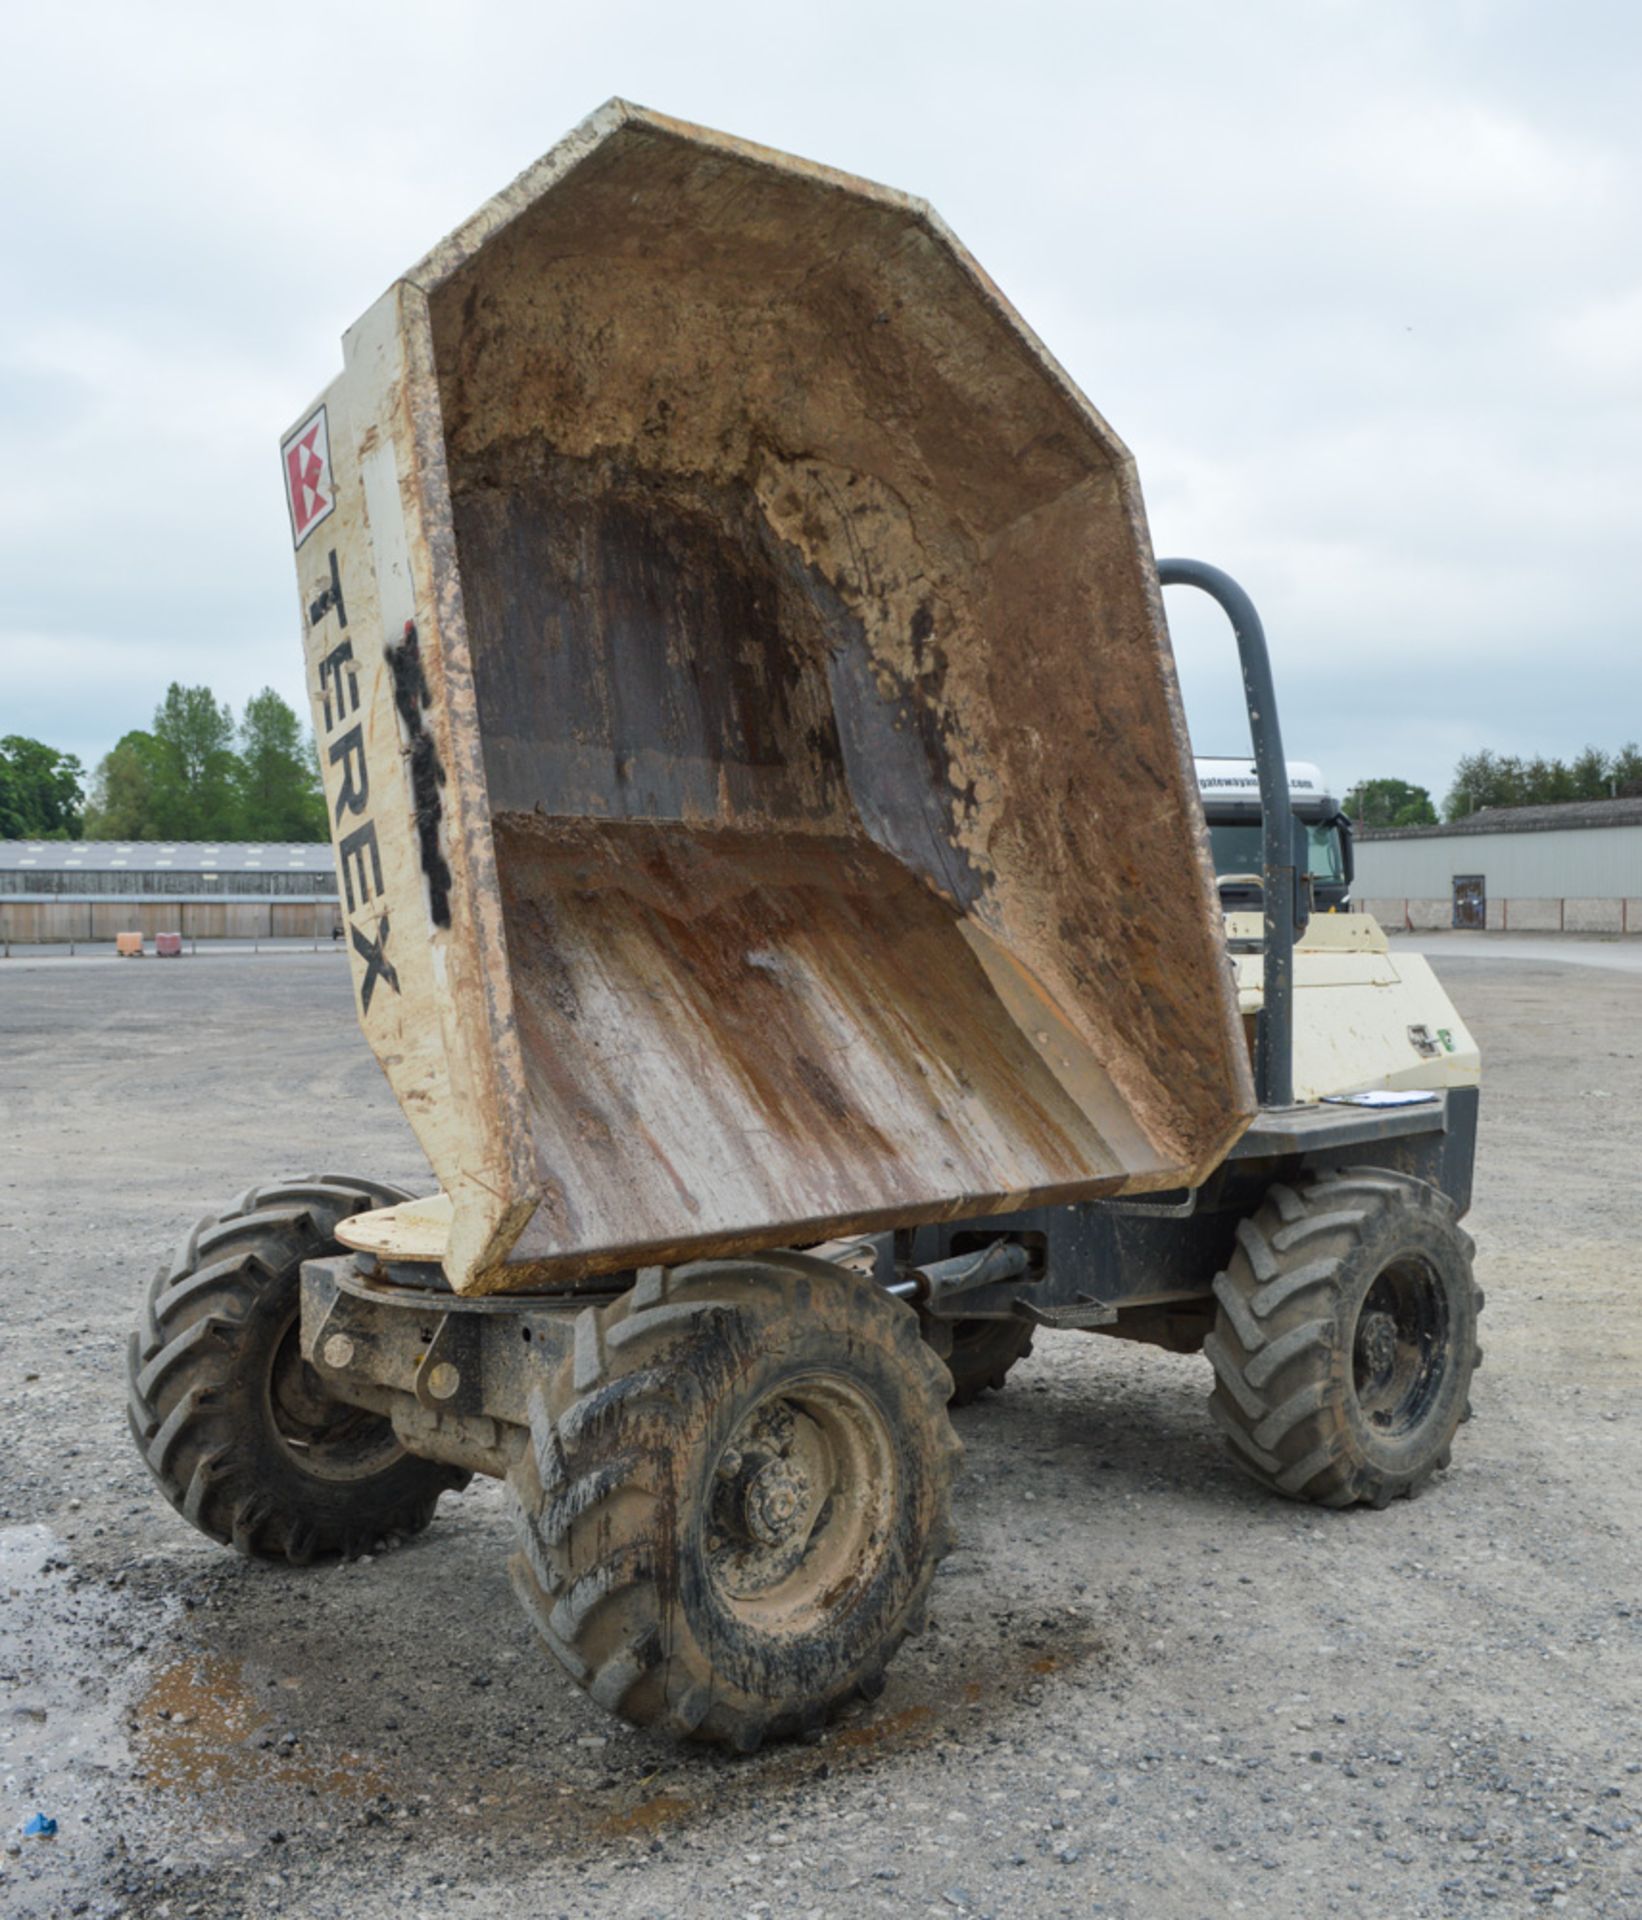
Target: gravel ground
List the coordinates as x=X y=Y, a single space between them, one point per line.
x=1147 y=1690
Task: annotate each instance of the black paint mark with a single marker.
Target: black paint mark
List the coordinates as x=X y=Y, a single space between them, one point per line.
x=377 y=964
x=923 y=625
x=411 y=696
x=331 y=597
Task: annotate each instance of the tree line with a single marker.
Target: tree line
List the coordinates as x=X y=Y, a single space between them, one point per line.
x=1487 y=779
x=195 y=773
x=1502 y=780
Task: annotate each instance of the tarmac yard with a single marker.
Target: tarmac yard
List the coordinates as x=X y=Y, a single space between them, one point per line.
x=1147 y=1689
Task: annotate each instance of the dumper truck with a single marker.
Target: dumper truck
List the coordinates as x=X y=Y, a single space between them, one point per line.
x=777 y=892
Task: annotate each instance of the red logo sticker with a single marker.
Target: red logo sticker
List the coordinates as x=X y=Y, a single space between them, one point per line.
x=308 y=489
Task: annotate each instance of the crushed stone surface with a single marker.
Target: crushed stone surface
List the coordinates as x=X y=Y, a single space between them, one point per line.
x=1148 y=1689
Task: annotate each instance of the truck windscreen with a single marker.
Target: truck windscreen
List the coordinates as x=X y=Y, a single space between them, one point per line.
x=1237 y=849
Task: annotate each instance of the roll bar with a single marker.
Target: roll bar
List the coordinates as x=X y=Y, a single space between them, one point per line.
x=1274 y=1030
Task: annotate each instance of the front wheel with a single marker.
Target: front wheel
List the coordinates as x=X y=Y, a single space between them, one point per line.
x=238 y=1430
x=735 y=1497
x=1346 y=1337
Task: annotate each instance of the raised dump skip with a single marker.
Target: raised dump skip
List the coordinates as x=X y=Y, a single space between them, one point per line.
x=783 y=812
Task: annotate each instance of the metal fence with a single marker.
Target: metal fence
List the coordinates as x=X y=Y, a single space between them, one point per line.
x=58 y=922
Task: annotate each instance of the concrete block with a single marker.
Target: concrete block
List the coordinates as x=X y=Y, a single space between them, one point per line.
x=1591 y=916
x=1533 y=916
x=1388 y=912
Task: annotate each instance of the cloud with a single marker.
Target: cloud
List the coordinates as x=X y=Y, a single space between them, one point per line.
x=1430 y=156
x=1355 y=281
x=1598 y=347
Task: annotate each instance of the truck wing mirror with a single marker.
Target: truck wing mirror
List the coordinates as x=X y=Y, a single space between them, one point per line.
x=1303 y=898
x=1348 y=857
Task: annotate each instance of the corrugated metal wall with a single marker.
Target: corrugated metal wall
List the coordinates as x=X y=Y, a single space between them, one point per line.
x=1585 y=863
x=30 y=878
x=29 y=922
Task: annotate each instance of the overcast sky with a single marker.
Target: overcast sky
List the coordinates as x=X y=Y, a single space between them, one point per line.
x=1359 y=282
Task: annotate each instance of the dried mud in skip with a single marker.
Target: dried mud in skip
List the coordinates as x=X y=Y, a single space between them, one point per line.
x=1147 y=1688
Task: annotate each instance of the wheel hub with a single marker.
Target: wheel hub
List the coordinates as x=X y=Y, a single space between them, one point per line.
x=772 y=1481
x=1400 y=1351
x=1377 y=1345
x=798 y=1500
x=327 y=1437
x=773 y=1501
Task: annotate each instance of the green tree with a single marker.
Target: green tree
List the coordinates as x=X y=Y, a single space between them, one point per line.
x=277 y=791
x=1625 y=772
x=123 y=804
x=1512 y=777
x=1589 y=775
x=1475 y=780
x=194 y=797
x=1390 y=803
x=1485 y=779
x=1546 y=783
x=41 y=791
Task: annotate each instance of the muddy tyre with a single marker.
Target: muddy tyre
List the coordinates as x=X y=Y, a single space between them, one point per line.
x=982 y=1353
x=232 y=1423
x=735 y=1498
x=1345 y=1338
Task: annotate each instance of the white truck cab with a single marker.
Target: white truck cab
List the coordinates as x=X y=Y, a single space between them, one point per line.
x=1230 y=791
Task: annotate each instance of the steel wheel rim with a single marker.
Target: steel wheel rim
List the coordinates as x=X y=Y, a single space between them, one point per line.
x=801 y=1503
x=325 y=1437
x=1399 y=1348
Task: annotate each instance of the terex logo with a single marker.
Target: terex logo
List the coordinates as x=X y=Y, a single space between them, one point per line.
x=358 y=853
x=308 y=489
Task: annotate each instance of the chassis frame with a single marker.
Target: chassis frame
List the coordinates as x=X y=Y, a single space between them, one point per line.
x=455 y=1372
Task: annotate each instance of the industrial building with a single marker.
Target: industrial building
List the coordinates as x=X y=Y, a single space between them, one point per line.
x=1575 y=868
x=72 y=890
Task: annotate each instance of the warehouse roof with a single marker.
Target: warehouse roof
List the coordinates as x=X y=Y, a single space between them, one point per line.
x=1571 y=813
x=186 y=856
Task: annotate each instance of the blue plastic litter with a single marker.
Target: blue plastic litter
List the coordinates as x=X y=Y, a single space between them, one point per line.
x=39 y=1826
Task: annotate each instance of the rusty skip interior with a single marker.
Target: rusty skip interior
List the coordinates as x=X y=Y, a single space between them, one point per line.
x=840 y=797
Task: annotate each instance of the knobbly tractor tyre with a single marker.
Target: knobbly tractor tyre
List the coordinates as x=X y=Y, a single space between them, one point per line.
x=982 y=1353
x=1345 y=1337
x=232 y=1422
x=735 y=1498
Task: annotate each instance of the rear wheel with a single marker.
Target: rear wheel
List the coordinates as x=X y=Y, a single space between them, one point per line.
x=982 y=1353
x=234 y=1425
x=735 y=1498
x=1346 y=1337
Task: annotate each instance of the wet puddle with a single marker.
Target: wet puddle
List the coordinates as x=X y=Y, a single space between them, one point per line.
x=62 y=1733
x=856 y=1744
x=883 y=1731
x=648 y=1816
x=199 y=1728
x=113 y=1745
x=113 y=1729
